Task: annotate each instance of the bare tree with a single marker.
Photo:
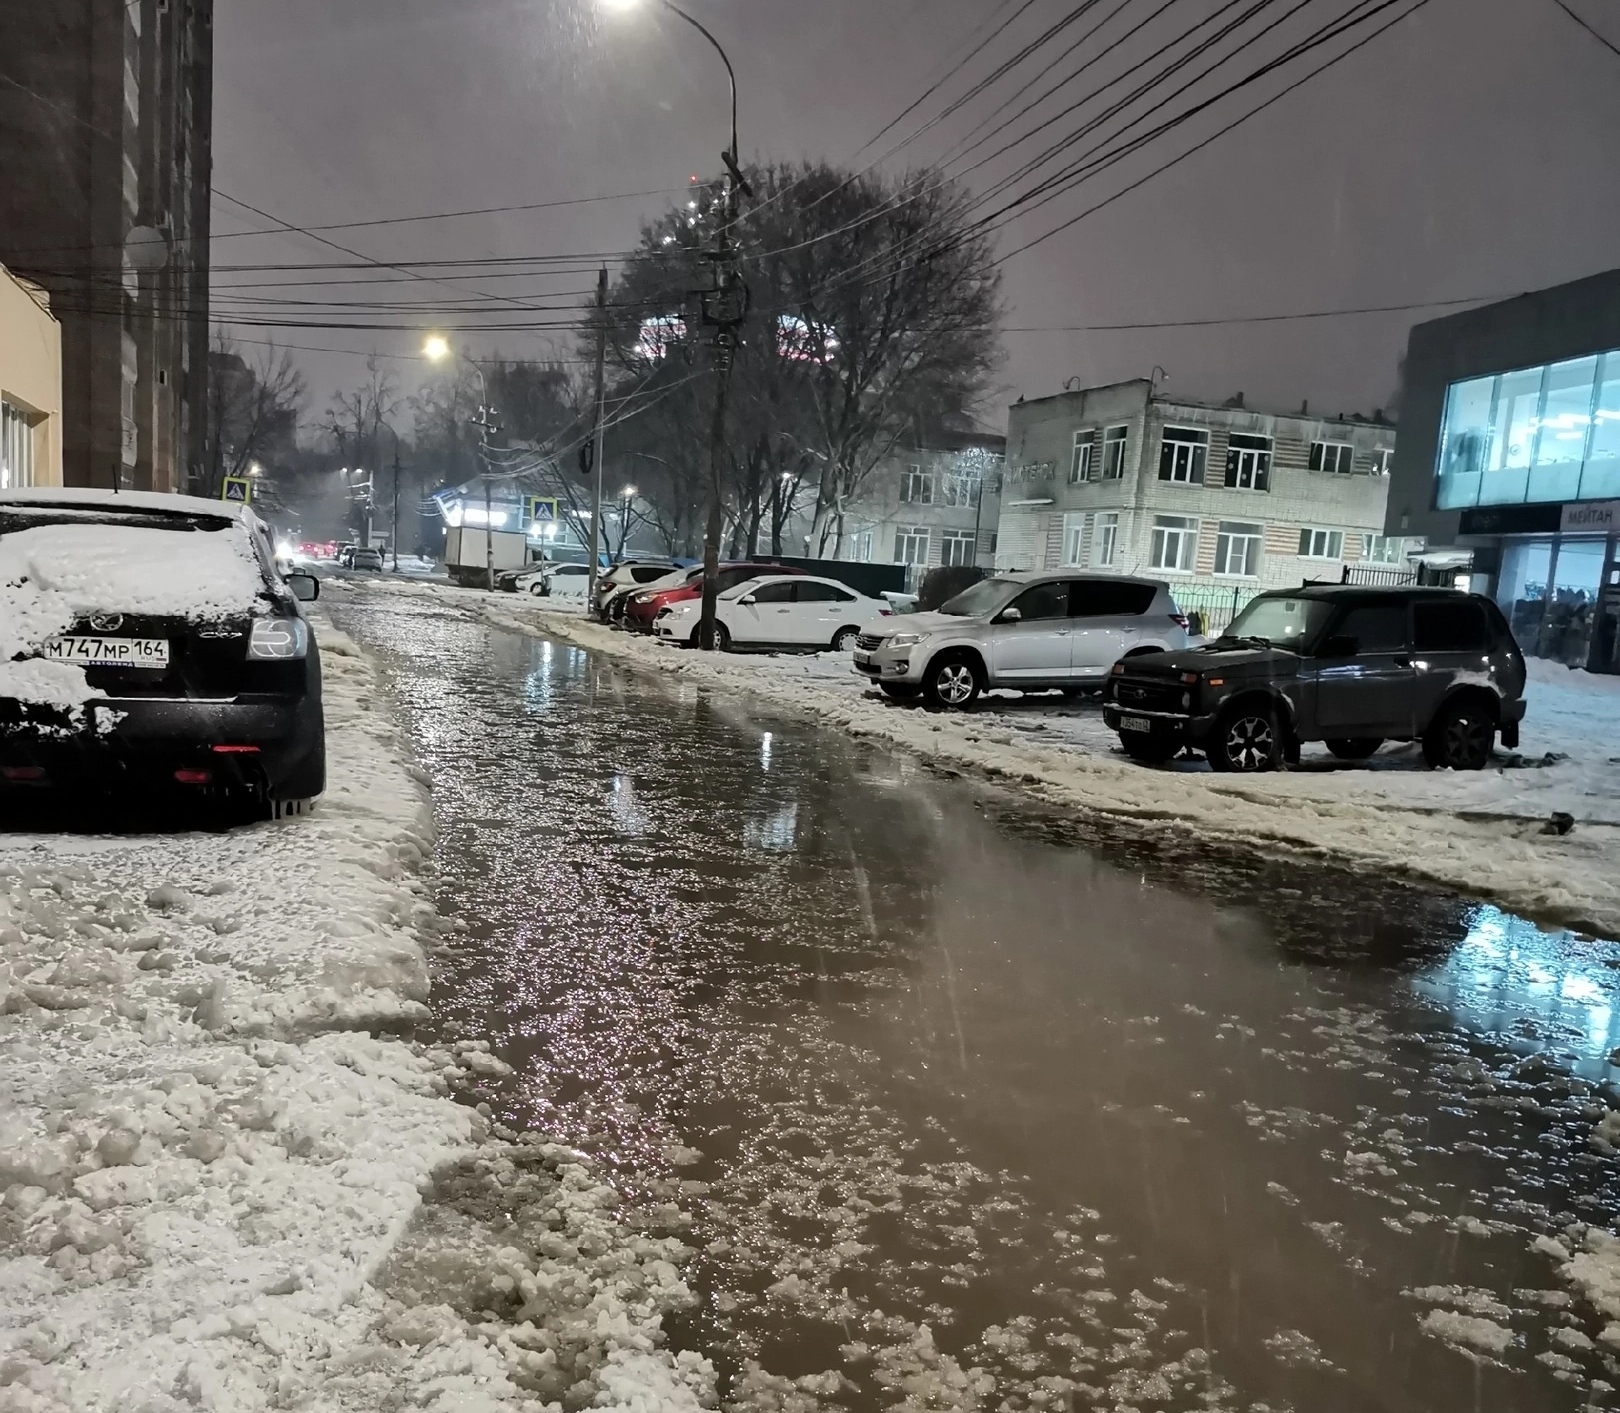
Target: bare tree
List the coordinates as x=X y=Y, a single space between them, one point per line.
x=253 y=408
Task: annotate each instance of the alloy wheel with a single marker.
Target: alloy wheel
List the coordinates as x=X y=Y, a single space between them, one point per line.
x=1250 y=743
x=954 y=683
x=1467 y=738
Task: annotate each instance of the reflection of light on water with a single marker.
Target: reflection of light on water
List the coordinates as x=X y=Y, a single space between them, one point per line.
x=765 y=751
x=780 y=831
x=1507 y=970
x=626 y=810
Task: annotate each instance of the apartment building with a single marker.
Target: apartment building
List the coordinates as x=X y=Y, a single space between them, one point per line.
x=105 y=121
x=1214 y=497
x=30 y=386
x=938 y=503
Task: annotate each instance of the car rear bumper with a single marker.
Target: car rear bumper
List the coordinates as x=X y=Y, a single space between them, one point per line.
x=274 y=748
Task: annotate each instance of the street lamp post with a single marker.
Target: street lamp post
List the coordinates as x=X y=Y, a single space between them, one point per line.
x=724 y=307
x=435 y=349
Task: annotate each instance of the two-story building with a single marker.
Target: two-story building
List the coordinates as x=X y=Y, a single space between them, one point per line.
x=934 y=504
x=1219 y=500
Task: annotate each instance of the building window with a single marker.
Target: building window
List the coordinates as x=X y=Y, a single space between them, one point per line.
x=1113 y=453
x=1381 y=460
x=916 y=488
x=956 y=547
x=960 y=488
x=1105 y=539
x=16 y=447
x=1175 y=543
x=1321 y=544
x=1181 y=455
x=1338 y=457
x=1080 y=462
x=860 y=546
x=1074 y=536
x=911 y=544
x=1248 y=462
x=1237 y=549
x=1383 y=549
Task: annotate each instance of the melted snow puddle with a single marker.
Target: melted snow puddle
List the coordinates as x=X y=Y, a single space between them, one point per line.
x=958 y=1114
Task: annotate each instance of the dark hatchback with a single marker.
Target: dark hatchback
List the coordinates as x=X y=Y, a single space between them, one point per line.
x=1349 y=666
x=221 y=698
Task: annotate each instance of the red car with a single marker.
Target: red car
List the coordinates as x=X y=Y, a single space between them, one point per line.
x=644 y=605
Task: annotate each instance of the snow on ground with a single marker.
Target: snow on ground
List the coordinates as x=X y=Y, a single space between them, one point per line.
x=224 y=1184
x=1478 y=832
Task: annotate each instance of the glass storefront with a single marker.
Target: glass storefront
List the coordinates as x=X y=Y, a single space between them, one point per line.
x=1553 y=592
x=1532 y=436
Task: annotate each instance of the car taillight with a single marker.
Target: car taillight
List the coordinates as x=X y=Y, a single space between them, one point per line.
x=884 y=612
x=1181 y=621
x=277 y=639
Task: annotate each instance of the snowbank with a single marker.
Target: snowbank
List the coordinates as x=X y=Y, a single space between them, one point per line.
x=214 y=1157
x=1477 y=832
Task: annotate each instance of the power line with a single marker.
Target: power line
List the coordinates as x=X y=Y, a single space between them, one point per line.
x=1606 y=43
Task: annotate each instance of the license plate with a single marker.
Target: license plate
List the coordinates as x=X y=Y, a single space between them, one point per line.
x=1135 y=723
x=108 y=652
x=863 y=659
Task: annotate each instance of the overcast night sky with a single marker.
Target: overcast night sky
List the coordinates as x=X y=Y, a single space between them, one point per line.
x=1467 y=152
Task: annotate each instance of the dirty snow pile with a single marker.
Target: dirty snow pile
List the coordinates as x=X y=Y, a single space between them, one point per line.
x=1484 y=833
x=51 y=575
x=214 y=1159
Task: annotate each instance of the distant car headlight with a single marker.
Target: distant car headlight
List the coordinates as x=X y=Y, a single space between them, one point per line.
x=277 y=639
x=904 y=640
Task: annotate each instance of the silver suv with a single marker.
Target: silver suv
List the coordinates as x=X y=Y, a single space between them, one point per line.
x=1028 y=631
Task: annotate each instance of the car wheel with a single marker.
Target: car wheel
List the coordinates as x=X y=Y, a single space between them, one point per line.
x=1247 y=739
x=952 y=681
x=1358 y=748
x=900 y=691
x=1460 y=737
x=844 y=640
x=538 y=589
x=1151 y=750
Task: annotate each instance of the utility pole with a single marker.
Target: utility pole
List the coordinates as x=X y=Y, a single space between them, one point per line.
x=393 y=535
x=598 y=529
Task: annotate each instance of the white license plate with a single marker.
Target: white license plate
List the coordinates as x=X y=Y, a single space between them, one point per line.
x=108 y=652
x=1135 y=723
x=863 y=659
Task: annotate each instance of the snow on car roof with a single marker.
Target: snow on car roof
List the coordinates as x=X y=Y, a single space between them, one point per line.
x=95 y=498
x=53 y=574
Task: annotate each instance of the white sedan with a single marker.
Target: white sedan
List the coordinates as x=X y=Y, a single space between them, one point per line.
x=562 y=581
x=780 y=611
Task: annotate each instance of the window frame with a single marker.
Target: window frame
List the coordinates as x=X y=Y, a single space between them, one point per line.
x=909 y=533
x=1105 y=530
x=1083 y=456
x=1319 y=457
x=1074 y=527
x=1253 y=535
x=948 y=538
x=1369 y=541
x=1197 y=462
x=1332 y=536
x=912 y=480
x=1115 y=440
x=1258 y=460
x=1187 y=533
x=1383 y=460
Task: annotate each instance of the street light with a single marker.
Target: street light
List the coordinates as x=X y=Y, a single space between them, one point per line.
x=436 y=348
x=624 y=7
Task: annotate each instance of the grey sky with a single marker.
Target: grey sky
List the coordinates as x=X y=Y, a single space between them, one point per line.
x=1468 y=152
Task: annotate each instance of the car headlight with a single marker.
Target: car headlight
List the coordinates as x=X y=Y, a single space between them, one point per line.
x=904 y=640
x=278 y=638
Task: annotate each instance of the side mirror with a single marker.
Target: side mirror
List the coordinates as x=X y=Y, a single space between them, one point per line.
x=1341 y=646
x=306 y=588
x=747 y=600
x=1011 y=615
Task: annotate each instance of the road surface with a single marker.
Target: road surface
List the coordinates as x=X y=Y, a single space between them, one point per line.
x=972 y=1106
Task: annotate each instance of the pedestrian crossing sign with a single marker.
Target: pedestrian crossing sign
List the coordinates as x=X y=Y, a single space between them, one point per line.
x=542 y=510
x=238 y=489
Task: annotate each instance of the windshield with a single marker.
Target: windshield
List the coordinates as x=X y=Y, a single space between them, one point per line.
x=986 y=597
x=1283 y=622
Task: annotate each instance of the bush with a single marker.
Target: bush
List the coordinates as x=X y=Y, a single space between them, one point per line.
x=945 y=583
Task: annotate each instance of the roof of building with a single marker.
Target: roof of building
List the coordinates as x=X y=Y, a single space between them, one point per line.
x=1234 y=404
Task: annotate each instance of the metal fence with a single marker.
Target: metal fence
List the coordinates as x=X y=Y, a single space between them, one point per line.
x=1215 y=605
x=1377 y=578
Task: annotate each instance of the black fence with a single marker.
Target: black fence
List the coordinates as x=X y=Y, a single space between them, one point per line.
x=873 y=580
x=1372 y=576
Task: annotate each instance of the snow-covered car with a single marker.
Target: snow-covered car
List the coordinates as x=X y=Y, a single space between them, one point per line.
x=365 y=558
x=615 y=604
x=786 y=611
x=565 y=581
x=148 y=641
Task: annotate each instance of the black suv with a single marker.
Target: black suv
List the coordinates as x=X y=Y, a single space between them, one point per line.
x=1350 y=666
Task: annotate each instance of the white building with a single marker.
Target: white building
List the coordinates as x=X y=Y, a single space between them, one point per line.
x=1220 y=501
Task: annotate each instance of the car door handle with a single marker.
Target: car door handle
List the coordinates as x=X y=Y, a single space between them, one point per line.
x=1063 y=632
